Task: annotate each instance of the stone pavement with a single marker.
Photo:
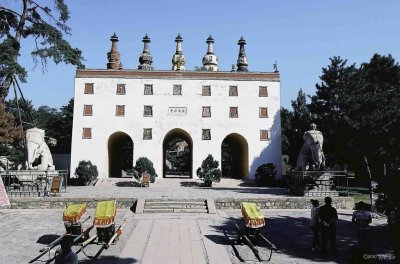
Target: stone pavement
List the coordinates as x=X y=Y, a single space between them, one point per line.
x=172 y=188
x=184 y=238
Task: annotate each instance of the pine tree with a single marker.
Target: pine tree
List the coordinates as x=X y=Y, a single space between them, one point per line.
x=38 y=23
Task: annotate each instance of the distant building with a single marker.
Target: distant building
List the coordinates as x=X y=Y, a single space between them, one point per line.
x=122 y=113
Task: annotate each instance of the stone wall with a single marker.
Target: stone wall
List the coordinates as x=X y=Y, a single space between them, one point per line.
x=227 y=203
x=62 y=203
x=285 y=203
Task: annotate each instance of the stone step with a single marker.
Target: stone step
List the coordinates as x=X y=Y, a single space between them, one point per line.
x=176 y=210
x=175 y=203
x=153 y=211
x=174 y=206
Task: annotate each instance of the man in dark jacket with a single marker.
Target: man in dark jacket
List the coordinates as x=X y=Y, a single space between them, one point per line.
x=328 y=216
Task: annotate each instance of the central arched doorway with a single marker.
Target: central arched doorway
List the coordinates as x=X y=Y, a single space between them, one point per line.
x=120 y=154
x=177 y=154
x=234 y=156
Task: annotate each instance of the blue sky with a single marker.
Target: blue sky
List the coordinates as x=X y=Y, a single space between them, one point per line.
x=300 y=34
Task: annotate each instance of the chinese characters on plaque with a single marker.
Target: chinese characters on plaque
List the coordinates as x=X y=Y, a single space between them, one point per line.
x=177 y=111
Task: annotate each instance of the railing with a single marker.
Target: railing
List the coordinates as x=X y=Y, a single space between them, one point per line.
x=32 y=182
x=301 y=182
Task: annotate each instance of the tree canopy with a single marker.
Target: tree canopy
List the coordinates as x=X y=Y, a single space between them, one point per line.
x=356 y=108
x=37 y=22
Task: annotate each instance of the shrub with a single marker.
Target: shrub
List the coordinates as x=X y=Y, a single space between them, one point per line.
x=144 y=164
x=209 y=171
x=265 y=174
x=86 y=172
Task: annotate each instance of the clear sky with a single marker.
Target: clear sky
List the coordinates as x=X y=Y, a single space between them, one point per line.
x=300 y=34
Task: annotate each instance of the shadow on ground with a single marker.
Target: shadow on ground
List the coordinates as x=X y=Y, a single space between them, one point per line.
x=47 y=239
x=292 y=236
x=110 y=259
x=190 y=184
x=128 y=184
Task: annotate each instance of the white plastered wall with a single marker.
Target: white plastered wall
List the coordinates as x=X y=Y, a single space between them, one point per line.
x=104 y=122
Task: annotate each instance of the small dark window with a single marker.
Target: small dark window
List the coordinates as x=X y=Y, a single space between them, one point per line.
x=262 y=91
x=233 y=112
x=148 y=110
x=87 y=133
x=206 y=91
x=148 y=89
x=121 y=88
x=264 y=135
x=147 y=134
x=206 y=135
x=206 y=111
x=89 y=88
x=177 y=89
x=120 y=110
x=233 y=91
x=263 y=112
x=87 y=110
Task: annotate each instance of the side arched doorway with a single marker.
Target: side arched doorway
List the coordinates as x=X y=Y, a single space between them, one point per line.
x=120 y=154
x=177 y=154
x=234 y=156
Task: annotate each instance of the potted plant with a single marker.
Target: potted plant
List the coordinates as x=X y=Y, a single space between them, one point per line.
x=265 y=174
x=86 y=172
x=144 y=164
x=209 y=171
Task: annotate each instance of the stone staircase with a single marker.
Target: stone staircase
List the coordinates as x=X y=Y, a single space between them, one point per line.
x=175 y=206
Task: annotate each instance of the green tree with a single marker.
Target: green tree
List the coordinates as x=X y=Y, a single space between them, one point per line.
x=209 y=171
x=28 y=19
x=358 y=110
x=62 y=127
x=294 y=123
x=330 y=105
x=144 y=164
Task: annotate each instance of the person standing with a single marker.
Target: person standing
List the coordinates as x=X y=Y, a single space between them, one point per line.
x=314 y=222
x=328 y=216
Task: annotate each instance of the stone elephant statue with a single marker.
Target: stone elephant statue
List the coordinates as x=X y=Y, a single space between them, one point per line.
x=311 y=155
x=38 y=155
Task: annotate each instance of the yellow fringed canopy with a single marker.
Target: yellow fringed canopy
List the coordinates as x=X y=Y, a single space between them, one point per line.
x=74 y=212
x=105 y=213
x=252 y=215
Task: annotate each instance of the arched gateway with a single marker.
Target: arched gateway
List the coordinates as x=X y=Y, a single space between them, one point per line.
x=234 y=156
x=177 y=154
x=120 y=154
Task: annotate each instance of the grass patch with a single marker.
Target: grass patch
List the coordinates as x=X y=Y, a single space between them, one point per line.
x=358 y=193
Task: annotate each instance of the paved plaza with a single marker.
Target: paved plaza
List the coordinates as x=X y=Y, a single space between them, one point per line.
x=182 y=237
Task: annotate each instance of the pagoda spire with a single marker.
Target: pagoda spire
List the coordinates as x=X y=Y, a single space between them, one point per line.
x=113 y=55
x=210 y=60
x=146 y=59
x=242 y=60
x=178 y=60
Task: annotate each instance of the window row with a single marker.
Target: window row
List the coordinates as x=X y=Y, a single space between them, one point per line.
x=176 y=90
x=148 y=111
x=148 y=134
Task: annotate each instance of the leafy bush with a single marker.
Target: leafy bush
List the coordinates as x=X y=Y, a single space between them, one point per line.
x=265 y=174
x=144 y=164
x=86 y=172
x=209 y=171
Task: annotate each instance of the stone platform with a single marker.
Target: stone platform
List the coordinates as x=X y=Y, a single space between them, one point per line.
x=227 y=194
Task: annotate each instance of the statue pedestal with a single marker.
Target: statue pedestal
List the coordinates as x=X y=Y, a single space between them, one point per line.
x=316 y=183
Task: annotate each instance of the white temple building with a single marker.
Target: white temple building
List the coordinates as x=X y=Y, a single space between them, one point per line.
x=121 y=113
